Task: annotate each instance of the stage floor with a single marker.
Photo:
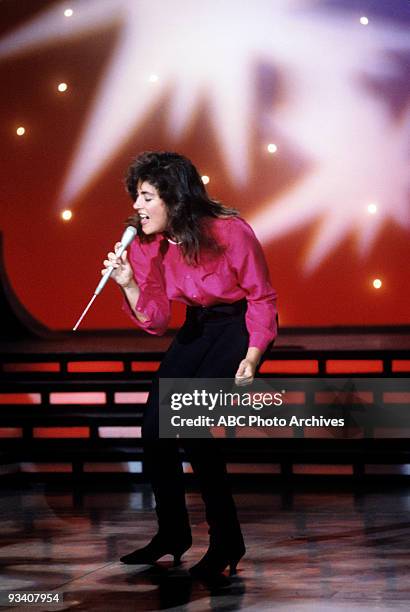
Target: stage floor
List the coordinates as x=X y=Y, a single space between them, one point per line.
x=307 y=550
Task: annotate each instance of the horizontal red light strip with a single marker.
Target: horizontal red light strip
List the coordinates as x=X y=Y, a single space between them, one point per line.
x=11 y=432
x=294 y=397
x=20 y=398
x=125 y=467
x=396 y=397
x=253 y=468
x=45 y=467
x=80 y=397
x=301 y=468
x=352 y=366
x=144 y=366
x=31 y=367
x=119 y=432
x=61 y=432
x=284 y=366
x=95 y=366
x=345 y=397
x=130 y=397
x=400 y=365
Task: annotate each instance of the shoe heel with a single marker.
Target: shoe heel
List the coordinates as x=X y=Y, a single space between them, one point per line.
x=233 y=563
x=232 y=568
x=178 y=555
x=177 y=560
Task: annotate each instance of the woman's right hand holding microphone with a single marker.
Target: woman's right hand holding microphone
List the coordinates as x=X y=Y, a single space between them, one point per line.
x=122 y=273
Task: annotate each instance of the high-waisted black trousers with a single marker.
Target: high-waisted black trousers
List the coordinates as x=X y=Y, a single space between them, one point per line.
x=210 y=344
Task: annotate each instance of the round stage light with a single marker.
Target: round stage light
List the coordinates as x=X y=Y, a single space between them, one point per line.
x=68 y=13
x=377 y=283
x=372 y=209
x=153 y=78
x=62 y=87
x=205 y=179
x=272 y=148
x=20 y=131
x=66 y=215
x=364 y=20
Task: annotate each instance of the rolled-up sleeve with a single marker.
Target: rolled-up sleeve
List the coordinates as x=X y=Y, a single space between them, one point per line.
x=246 y=256
x=153 y=302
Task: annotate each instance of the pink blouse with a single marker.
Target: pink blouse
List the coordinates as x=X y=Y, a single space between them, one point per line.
x=239 y=272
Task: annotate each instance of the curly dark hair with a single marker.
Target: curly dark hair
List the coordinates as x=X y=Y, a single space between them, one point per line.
x=188 y=205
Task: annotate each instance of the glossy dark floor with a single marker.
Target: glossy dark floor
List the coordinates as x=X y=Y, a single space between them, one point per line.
x=333 y=549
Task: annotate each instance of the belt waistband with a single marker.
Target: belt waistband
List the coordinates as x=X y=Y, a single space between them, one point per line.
x=216 y=311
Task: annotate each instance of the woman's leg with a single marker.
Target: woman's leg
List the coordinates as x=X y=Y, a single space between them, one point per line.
x=162 y=461
x=206 y=455
x=163 y=468
x=228 y=347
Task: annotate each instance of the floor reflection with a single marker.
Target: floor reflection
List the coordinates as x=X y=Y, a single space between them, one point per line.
x=306 y=550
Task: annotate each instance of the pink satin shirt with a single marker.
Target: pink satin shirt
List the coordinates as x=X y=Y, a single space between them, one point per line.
x=239 y=272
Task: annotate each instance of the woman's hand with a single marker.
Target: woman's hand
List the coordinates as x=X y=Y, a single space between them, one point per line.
x=122 y=273
x=247 y=368
x=246 y=373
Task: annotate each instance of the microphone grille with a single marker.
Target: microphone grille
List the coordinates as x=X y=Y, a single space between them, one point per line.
x=129 y=235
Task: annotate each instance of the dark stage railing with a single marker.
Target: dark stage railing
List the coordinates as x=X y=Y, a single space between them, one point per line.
x=80 y=414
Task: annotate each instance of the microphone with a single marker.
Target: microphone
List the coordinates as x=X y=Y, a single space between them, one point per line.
x=127 y=237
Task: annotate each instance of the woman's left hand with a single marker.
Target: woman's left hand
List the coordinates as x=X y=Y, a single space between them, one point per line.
x=246 y=373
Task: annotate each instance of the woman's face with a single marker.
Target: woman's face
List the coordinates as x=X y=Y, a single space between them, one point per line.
x=151 y=209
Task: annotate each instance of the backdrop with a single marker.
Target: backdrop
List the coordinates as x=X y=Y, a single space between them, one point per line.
x=296 y=110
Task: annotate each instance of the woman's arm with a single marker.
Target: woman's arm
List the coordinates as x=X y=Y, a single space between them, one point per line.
x=246 y=257
x=143 y=287
x=132 y=294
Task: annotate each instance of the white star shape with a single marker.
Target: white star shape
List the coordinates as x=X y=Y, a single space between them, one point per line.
x=207 y=51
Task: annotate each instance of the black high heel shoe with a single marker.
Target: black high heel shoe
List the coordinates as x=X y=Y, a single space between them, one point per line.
x=217 y=558
x=157 y=548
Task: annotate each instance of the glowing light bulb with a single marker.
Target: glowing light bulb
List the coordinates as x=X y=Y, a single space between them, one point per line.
x=272 y=148
x=372 y=209
x=153 y=78
x=66 y=215
x=364 y=20
x=62 y=87
x=377 y=283
x=20 y=131
x=205 y=179
x=68 y=13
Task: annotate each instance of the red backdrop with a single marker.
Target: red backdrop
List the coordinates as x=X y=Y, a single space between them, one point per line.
x=54 y=266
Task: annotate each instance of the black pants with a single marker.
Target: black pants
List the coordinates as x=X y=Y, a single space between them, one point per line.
x=210 y=344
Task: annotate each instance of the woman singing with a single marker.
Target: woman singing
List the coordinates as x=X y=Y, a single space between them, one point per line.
x=193 y=250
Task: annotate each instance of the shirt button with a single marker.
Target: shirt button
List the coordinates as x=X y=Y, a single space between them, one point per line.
x=187 y=276
x=194 y=295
